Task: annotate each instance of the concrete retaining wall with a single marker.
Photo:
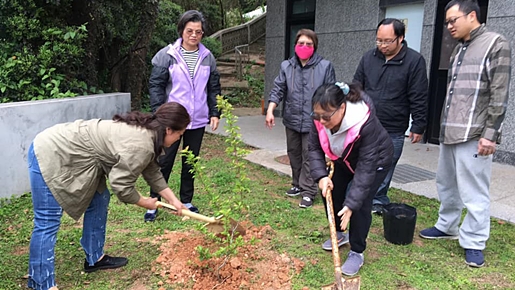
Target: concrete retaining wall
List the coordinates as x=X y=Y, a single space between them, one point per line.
x=20 y=122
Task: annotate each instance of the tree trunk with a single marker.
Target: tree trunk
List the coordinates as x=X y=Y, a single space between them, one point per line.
x=87 y=12
x=136 y=65
x=222 y=12
x=129 y=73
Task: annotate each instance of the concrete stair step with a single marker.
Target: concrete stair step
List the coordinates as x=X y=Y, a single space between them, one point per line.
x=228 y=84
x=253 y=59
x=226 y=62
x=226 y=70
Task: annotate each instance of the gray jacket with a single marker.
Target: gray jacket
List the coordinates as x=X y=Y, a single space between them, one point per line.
x=477 y=92
x=295 y=86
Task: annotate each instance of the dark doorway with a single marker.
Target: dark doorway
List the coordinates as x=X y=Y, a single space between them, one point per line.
x=300 y=14
x=443 y=44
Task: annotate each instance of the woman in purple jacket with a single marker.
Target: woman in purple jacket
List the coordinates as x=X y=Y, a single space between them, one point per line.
x=347 y=131
x=185 y=72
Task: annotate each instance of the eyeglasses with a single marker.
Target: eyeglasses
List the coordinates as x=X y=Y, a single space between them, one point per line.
x=191 y=31
x=308 y=44
x=386 y=42
x=324 y=117
x=452 y=21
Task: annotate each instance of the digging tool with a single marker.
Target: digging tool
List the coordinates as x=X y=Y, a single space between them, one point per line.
x=352 y=283
x=215 y=225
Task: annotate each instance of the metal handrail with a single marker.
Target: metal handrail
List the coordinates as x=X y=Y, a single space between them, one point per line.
x=246 y=31
x=239 y=59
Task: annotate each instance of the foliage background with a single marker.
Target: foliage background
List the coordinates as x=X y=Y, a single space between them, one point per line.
x=63 y=48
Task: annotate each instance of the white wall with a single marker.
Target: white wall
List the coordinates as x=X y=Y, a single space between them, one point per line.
x=20 y=122
x=414 y=14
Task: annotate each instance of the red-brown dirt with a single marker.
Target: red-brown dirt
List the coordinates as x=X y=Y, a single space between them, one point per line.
x=254 y=267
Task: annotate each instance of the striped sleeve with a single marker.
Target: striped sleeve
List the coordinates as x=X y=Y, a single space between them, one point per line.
x=499 y=74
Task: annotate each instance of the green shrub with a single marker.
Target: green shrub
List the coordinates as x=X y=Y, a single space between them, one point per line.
x=40 y=57
x=213 y=45
x=165 y=31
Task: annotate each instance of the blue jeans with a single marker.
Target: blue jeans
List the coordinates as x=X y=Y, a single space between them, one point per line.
x=381 y=195
x=47 y=219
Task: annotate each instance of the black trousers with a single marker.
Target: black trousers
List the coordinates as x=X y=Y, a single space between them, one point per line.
x=297 y=149
x=193 y=139
x=361 y=218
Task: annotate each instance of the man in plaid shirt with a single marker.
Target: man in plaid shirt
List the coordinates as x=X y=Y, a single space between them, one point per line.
x=472 y=118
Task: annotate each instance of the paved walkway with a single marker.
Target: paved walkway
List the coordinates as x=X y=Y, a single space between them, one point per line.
x=414 y=173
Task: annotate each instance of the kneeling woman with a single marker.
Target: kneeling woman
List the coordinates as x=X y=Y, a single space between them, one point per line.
x=347 y=130
x=68 y=167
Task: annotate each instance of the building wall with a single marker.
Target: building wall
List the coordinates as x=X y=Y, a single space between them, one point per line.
x=346 y=29
x=20 y=122
x=275 y=39
x=501 y=19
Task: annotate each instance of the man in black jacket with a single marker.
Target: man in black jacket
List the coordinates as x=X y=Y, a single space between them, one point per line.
x=395 y=77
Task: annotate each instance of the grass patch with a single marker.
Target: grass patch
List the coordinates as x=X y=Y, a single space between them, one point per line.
x=298 y=233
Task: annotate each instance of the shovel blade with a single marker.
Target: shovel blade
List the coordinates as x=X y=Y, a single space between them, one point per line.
x=218 y=228
x=351 y=283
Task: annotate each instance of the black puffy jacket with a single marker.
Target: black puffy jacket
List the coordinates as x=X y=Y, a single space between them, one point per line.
x=372 y=150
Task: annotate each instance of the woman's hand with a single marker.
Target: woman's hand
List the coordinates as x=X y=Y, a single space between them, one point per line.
x=173 y=200
x=179 y=206
x=147 y=202
x=214 y=123
x=324 y=184
x=270 y=120
x=345 y=215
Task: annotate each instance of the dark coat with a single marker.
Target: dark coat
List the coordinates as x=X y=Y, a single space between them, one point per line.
x=398 y=87
x=371 y=151
x=295 y=86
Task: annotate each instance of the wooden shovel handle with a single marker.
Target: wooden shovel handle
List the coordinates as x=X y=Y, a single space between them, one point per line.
x=188 y=213
x=332 y=228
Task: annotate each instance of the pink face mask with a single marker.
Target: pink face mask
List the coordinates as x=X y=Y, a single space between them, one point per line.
x=304 y=51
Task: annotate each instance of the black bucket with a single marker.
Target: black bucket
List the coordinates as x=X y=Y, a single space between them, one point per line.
x=399 y=221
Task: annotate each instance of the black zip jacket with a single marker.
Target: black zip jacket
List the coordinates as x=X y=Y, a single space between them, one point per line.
x=398 y=87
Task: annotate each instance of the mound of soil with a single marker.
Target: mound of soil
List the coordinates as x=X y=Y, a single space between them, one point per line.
x=255 y=266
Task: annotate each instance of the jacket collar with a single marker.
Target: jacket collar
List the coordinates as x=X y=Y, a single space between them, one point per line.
x=475 y=33
x=315 y=59
x=399 y=57
x=176 y=47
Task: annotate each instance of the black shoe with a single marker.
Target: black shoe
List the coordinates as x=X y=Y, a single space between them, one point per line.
x=191 y=207
x=150 y=217
x=294 y=191
x=107 y=262
x=377 y=209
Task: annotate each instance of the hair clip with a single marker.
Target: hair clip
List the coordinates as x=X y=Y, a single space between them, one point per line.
x=344 y=87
